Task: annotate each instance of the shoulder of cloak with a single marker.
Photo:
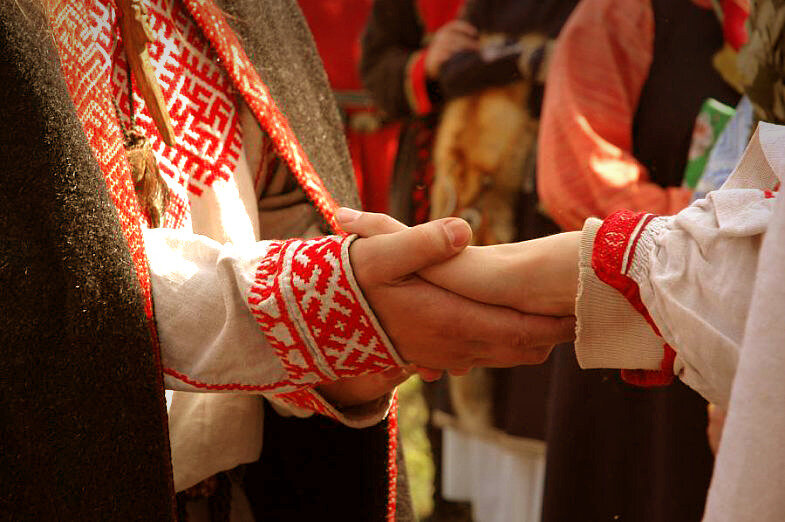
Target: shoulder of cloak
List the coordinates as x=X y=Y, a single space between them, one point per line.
x=277 y=40
x=83 y=418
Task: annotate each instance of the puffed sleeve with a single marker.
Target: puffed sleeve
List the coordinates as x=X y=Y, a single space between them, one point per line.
x=585 y=162
x=673 y=293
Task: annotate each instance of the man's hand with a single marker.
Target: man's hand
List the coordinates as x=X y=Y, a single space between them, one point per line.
x=433 y=327
x=538 y=276
x=363 y=389
x=453 y=37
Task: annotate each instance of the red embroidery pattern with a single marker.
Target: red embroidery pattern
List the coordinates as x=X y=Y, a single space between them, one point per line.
x=231 y=386
x=610 y=244
x=84 y=49
x=255 y=93
x=313 y=318
x=392 y=459
x=199 y=97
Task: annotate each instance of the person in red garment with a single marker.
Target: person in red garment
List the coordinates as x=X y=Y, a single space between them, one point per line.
x=373 y=143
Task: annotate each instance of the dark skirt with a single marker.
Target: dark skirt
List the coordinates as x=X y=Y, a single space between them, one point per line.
x=619 y=452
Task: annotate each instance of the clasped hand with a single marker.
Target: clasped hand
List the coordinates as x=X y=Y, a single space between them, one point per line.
x=449 y=307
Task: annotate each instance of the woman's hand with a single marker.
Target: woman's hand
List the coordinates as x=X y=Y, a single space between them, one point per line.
x=433 y=327
x=538 y=276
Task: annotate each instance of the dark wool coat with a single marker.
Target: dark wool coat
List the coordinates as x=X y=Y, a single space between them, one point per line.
x=82 y=417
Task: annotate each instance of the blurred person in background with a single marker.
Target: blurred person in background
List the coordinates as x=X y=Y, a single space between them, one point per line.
x=373 y=142
x=161 y=162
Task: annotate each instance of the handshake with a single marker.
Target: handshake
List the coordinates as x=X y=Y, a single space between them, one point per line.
x=448 y=306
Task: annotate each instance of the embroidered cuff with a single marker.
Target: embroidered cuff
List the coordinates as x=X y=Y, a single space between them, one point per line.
x=307 y=303
x=416 y=84
x=614 y=328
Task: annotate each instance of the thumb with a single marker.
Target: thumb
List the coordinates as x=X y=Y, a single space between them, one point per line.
x=402 y=253
x=367 y=224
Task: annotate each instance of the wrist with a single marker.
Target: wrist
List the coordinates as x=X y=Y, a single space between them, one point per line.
x=549 y=268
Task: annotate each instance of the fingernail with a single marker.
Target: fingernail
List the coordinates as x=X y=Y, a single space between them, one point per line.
x=347 y=215
x=458 y=232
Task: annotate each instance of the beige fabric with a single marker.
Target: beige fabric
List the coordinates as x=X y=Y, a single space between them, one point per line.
x=750 y=467
x=696 y=272
x=608 y=326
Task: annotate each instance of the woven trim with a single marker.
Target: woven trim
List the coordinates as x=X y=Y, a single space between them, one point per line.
x=312 y=313
x=81 y=61
x=612 y=255
x=392 y=459
x=232 y=386
x=256 y=95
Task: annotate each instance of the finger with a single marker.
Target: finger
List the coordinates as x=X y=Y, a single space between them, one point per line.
x=460 y=42
x=462 y=26
x=531 y=356
x=503 y=337
x=499 y=326
x=393 y=382
x=367 y=224
x=397 y=255
x=429 y=374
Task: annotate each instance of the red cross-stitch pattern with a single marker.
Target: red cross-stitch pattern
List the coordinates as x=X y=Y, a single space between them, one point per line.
x=199 y=97
x=85 y=53
x=255 y=93
x=304 y=303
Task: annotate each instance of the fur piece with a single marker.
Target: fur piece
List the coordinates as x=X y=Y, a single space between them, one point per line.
x=481 y=147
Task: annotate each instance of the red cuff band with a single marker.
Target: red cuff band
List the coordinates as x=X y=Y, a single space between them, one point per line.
x=612 y=255
x=307 y=304
x=417 y=84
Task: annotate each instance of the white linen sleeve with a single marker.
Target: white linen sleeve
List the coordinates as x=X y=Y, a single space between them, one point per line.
x=253 y=319
x=696 y=272
x=691 y=274
x=750 y=466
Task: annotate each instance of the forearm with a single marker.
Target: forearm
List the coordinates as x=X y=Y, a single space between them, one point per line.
x=538 y=276
x=231 y=318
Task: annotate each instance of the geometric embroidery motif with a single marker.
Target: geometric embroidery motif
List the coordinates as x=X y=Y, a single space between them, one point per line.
x=615 y=239
x=81 y=61
x=199 y=96
x=313 y=314
x=258 y=98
